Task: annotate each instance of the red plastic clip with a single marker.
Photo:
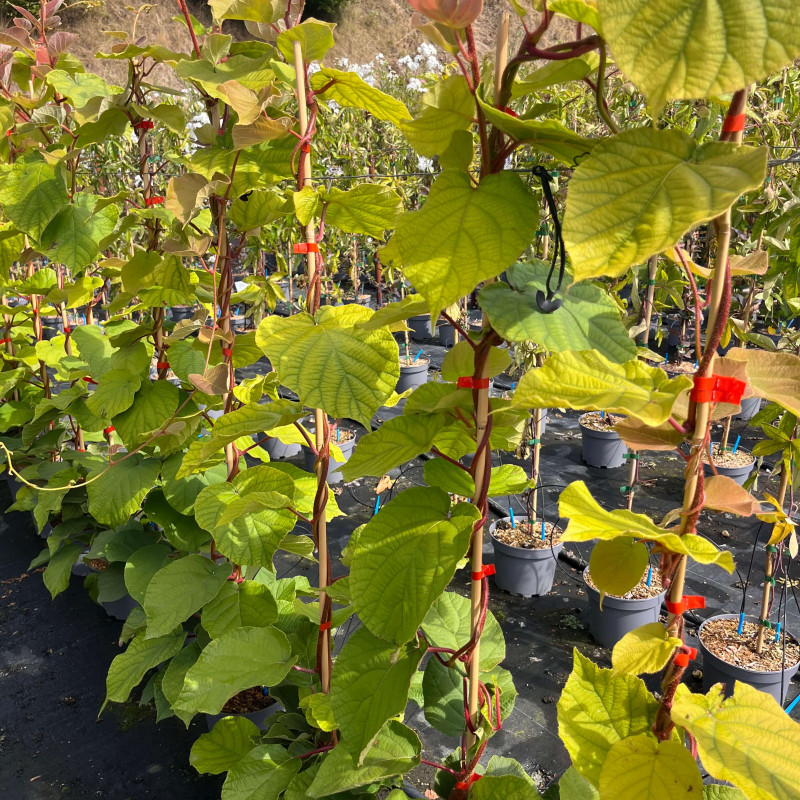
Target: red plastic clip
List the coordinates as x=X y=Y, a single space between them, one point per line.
x=473 y=383
x=734 y=124
x=67 y=329
x=162 y=364
x=688 y=602
x=4 y=341
x=325 y=626
x=153 y=201
x=718 y=389
x=89 y=380
x=108 y=430
x=488 y=569
x=306 y=247
x=464 y=785
x=227 y=352
x=144 y=125
x=306 y=148
x=685 y=656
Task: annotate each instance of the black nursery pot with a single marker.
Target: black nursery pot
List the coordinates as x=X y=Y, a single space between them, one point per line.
x=618 y=615
x=180 y=313
x=523 y=571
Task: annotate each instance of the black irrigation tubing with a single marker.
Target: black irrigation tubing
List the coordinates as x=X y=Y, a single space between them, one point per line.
x=749 y=570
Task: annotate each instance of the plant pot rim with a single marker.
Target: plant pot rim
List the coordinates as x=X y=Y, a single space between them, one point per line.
x=528 y=551
x=613 y=600
x=748 y=618
x=592 y=432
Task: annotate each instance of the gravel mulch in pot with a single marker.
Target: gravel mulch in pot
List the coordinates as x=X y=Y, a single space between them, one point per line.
x=409 y=361
x=594 y=421
x=721 y=637
x=528 y=538
x=727 y=458
x=639 y=592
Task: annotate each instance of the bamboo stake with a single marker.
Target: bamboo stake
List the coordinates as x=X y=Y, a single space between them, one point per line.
x=320 y=422
x=652 y=269
x=483 y=458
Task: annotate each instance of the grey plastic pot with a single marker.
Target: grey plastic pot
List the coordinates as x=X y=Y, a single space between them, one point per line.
x=739 y=474
x=52 y=327
x=543 y=421
x=447 y=335
x=412 y=376
x=181 y=312
x=520 y=571
x=278 y=450
x=256 y=717
x=420 y=327
x=619 y=616
x=602 y=448
x=749 y=408
x=334 y=475
x=715 y=670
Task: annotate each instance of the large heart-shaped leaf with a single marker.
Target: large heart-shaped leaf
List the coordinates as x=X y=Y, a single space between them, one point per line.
x=747 y=739
x=597 y=709
x=245 y=530
x=690 y=49
x=404 y=558
x=588 y=318
x=617 y=216
x=587 y=380
x=641 y=765
x=464 y=235
x=180 y=589
x=332 y=361
x=395 y=751
x=348 y=89
x=237 y=660
x=589 y=520
x=369 y=686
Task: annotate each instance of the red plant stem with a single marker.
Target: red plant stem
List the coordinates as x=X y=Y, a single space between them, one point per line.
x=438 y=766
x=188 y=18
x=316 y=752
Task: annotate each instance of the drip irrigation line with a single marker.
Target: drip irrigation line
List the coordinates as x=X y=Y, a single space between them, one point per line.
x=750 y=569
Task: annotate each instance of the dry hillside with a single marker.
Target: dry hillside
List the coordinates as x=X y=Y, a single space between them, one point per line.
x=367 y=27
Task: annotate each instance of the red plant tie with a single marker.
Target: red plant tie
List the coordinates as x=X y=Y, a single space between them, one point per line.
x=306 y=247
x=67 y=329
x=718 y=389
x=227 y=352
x=109 y=430
x=464 y=785
x=734 y=124
x=162 y=364
x=473 y=383
x=4 y=341
x=488 y=569
x=683 y=658
x=144 y=125
x=325 y=626
x=89 y=380
x=153 y=201
x=688 y=602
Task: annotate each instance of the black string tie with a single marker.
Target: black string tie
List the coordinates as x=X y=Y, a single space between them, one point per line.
x=548 y=303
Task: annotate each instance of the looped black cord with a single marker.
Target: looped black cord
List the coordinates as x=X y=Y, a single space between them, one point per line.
x=547 y=302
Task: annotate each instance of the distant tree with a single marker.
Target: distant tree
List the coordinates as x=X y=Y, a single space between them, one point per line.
x=324 y=9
